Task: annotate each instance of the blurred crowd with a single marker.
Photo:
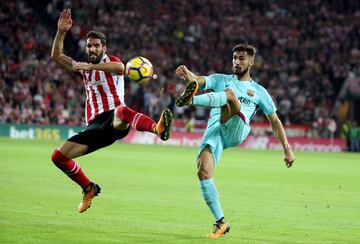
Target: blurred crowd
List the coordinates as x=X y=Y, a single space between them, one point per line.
x=306 y=51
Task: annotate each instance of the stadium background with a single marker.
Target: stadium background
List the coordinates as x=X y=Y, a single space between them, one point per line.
x=308 y=58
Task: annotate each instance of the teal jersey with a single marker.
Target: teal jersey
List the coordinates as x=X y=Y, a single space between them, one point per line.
x=249 y=93
x=219 y=136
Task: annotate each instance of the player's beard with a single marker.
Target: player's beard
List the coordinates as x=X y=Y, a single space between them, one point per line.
x=240 y=72
x=95 y=60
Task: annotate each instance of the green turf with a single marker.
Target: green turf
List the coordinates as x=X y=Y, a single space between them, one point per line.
x=151 y=195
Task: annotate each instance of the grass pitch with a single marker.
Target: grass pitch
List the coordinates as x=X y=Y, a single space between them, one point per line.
x=150 y=194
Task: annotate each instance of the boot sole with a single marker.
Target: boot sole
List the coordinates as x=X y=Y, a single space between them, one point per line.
x=168 y=120
x=190 y=91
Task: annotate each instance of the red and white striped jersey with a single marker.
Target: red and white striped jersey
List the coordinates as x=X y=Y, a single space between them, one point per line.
x=104 y=90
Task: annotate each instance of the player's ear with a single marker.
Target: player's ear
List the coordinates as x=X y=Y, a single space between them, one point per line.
x=104 y=49
x=251 y=61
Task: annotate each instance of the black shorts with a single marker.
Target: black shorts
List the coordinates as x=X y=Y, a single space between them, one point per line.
x=99 y=133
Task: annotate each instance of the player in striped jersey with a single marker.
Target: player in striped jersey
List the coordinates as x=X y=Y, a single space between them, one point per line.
x=234 y=101
x=108 y=118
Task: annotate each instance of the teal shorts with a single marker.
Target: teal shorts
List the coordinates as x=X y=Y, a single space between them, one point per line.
x=219 y=136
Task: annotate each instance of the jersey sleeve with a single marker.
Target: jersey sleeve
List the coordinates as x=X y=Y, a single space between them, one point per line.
x=115 y=59
x=214 y=82
x=266 y=103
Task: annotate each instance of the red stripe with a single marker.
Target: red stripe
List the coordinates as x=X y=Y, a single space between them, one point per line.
x=89 y=75
x=92 y=91
x=111 y=85
x=87 y=104
x=97 y=75
x=96 y=106
x=103 y=96
x=241 y=115
x=88 y=110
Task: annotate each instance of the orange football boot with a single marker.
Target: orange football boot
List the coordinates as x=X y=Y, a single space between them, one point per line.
x=186 y=97
x=163 y=126
x=220 y=228
x=89 y=193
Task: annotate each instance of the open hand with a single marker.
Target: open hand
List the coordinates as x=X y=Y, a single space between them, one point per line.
x=65 y=21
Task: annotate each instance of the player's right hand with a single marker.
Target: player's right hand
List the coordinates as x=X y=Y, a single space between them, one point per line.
x=65 y=21
x=289 y=157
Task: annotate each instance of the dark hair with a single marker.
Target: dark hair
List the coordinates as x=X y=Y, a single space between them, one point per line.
x=243 y=47
x=97 y=35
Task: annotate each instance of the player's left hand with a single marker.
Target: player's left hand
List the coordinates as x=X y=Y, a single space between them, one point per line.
x=81 y=66
x=289 y=157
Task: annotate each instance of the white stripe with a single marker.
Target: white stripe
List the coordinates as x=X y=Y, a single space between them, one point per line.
x=69 y=172
x=86 y=105
x=110 y=97
x=86 y=94
x=106 y=57
x=119 y=85
x=89 y=92
x=75 y=171
x=136 y=120
x=97 y=95
x=91 y=102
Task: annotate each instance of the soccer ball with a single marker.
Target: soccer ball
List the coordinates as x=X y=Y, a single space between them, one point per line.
x=139 y=70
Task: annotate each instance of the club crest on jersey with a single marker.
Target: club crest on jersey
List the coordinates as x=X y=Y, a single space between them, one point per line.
x=250 y=93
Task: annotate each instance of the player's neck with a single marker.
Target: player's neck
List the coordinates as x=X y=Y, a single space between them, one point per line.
x=245 y=77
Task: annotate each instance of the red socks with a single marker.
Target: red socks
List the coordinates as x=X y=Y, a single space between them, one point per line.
x=70 y=168
x=138 y=121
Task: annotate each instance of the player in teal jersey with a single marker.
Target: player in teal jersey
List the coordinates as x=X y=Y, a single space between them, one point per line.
x=234 y=100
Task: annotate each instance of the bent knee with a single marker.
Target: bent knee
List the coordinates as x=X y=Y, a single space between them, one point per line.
x=120 y=111
x=54 y=156
x=203 y=171
x=119 y=121
x=203 y=174
x=118 y=124
x=57 y=157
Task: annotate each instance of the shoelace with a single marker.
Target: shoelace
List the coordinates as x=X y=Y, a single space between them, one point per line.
x=215 y=227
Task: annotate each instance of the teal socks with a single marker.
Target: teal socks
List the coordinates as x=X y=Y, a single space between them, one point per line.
x=211 y=99
x=211 y=197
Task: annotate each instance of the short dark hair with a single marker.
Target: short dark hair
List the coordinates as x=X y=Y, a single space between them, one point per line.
x=97 y=35
x=244 y=47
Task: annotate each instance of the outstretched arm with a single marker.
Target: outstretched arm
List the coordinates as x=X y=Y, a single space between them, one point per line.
x=57 y=53
x=112 y=67
x=185 y=74
x=279 y=132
